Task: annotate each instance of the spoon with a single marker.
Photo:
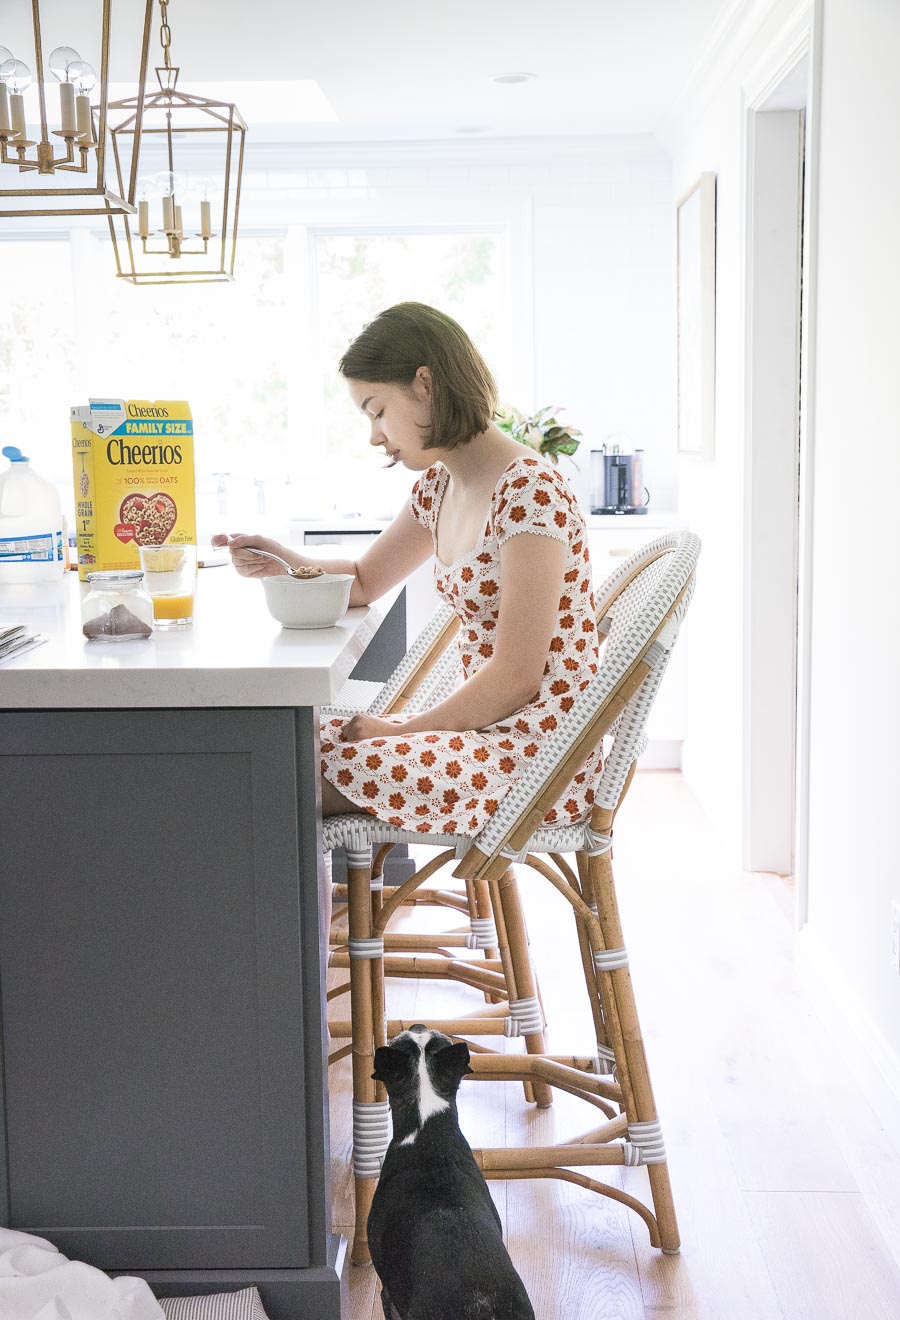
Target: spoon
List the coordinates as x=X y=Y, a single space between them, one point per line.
x=303 y=571
x=268 y=555
x=227 y=545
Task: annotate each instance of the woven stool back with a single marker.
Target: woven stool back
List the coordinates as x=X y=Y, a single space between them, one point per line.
x=643 y=604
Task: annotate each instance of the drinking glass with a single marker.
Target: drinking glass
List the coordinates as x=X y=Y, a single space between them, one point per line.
x=170 y=573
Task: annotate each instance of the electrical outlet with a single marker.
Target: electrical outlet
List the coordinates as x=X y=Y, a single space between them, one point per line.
x=895 y=935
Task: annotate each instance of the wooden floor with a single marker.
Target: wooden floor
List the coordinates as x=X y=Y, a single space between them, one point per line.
x=786 y=1188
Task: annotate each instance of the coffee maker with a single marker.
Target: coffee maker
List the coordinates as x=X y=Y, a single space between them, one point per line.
x=617 y=481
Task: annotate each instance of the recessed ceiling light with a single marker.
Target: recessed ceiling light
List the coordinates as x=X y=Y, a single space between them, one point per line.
x=470 y=128
x=507 y=79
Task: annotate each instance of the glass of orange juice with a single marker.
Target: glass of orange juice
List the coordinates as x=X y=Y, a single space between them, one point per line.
x=170 y=573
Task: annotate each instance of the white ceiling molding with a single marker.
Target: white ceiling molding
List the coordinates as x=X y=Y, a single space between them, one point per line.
x=727 y=42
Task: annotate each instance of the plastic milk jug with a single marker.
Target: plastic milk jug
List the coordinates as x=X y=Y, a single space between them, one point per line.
x=32 y=546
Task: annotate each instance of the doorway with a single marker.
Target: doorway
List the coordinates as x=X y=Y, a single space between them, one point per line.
x=777 y=454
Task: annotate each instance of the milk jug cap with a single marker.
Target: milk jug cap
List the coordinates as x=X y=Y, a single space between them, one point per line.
x=13 y=454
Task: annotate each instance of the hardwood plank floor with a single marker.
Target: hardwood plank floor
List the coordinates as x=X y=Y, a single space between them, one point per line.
x=825 y=1256
x=786 y=1187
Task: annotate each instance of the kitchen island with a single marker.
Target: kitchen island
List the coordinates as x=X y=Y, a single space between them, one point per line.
x=163 y=1094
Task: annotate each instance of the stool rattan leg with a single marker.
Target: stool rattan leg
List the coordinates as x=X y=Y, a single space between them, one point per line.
x=617 y=995
x=371 y=1119
x=479 y=895
x=606 y=1063
x=515 y=955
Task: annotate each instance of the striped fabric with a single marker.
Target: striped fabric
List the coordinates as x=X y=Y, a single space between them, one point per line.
x=243 y=1305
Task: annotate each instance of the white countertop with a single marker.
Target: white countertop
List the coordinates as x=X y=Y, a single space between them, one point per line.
x=234 y=654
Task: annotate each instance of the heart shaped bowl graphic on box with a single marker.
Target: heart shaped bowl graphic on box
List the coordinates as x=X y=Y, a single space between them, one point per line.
x=146 y=519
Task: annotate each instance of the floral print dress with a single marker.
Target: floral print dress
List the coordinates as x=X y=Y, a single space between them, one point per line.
x=448 y=782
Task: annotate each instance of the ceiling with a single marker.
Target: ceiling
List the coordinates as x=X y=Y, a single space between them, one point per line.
x=401 y=70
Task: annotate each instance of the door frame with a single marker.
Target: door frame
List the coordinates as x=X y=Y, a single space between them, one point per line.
x=799 y=40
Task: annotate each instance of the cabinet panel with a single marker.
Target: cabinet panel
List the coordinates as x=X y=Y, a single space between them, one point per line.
x=160 y=1032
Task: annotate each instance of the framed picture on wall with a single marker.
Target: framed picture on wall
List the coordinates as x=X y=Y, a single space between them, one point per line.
x=696 y=324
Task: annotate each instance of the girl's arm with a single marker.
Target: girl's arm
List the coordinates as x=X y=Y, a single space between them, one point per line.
x=401 y=548
x=532 y=568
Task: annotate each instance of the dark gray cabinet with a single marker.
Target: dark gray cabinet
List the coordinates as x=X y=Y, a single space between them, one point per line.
x=162 y=1031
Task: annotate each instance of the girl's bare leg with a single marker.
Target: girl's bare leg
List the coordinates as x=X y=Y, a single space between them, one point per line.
x=333 y=801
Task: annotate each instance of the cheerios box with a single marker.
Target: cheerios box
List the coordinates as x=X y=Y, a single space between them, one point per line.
x=133 y=464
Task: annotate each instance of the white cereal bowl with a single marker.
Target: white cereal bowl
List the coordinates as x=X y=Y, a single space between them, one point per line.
x=308 y=603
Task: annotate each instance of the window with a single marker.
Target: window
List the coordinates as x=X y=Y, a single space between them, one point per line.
x=38 y=355
x=276 y=435
x=357 y=275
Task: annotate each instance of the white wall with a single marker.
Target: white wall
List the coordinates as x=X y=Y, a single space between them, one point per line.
x=855 y=710
x=709 y=135
x=592 y=264
x=854 y=707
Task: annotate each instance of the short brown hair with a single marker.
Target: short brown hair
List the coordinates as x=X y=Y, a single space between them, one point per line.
x=410 y=335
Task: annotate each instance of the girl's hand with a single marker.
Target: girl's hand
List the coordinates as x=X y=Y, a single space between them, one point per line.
x=245 y=561
x=372 y=726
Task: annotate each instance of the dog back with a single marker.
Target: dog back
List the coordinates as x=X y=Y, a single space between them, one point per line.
x=434 y=1231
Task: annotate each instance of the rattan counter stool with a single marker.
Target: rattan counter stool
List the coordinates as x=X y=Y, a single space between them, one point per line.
x=643 y=605
x=428 y=673
x=495 y=928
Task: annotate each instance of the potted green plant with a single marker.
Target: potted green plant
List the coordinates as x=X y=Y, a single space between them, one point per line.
x=541 y=431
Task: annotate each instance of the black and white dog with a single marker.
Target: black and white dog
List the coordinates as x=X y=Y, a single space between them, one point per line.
x=434 y=1231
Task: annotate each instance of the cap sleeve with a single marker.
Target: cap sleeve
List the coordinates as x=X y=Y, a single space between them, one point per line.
x=422 y=497
x=535 y=498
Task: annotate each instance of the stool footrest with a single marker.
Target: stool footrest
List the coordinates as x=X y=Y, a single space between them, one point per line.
x=550 y=1157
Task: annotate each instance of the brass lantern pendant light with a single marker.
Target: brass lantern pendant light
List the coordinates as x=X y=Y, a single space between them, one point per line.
x=51 y=145
x=186 y=153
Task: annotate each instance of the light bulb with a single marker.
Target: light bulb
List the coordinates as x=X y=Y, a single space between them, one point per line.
x=83 y=76
x=6 y=57
x=146 y=186
x=16 y=75
x=166 y=182
x=60 y=61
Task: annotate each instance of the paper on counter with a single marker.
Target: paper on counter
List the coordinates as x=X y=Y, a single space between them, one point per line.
x=18 y=643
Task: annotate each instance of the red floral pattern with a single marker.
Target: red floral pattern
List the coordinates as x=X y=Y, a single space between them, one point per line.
x=448 y=782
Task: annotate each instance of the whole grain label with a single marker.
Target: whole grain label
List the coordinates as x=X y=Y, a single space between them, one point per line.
x=133 y=465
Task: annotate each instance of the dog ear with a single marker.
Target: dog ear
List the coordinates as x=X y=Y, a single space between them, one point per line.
x=391 y=1065
x=452 y=1063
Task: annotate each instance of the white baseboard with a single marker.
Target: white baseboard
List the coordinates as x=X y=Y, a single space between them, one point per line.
x=863 y=1045
x=662 y=754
